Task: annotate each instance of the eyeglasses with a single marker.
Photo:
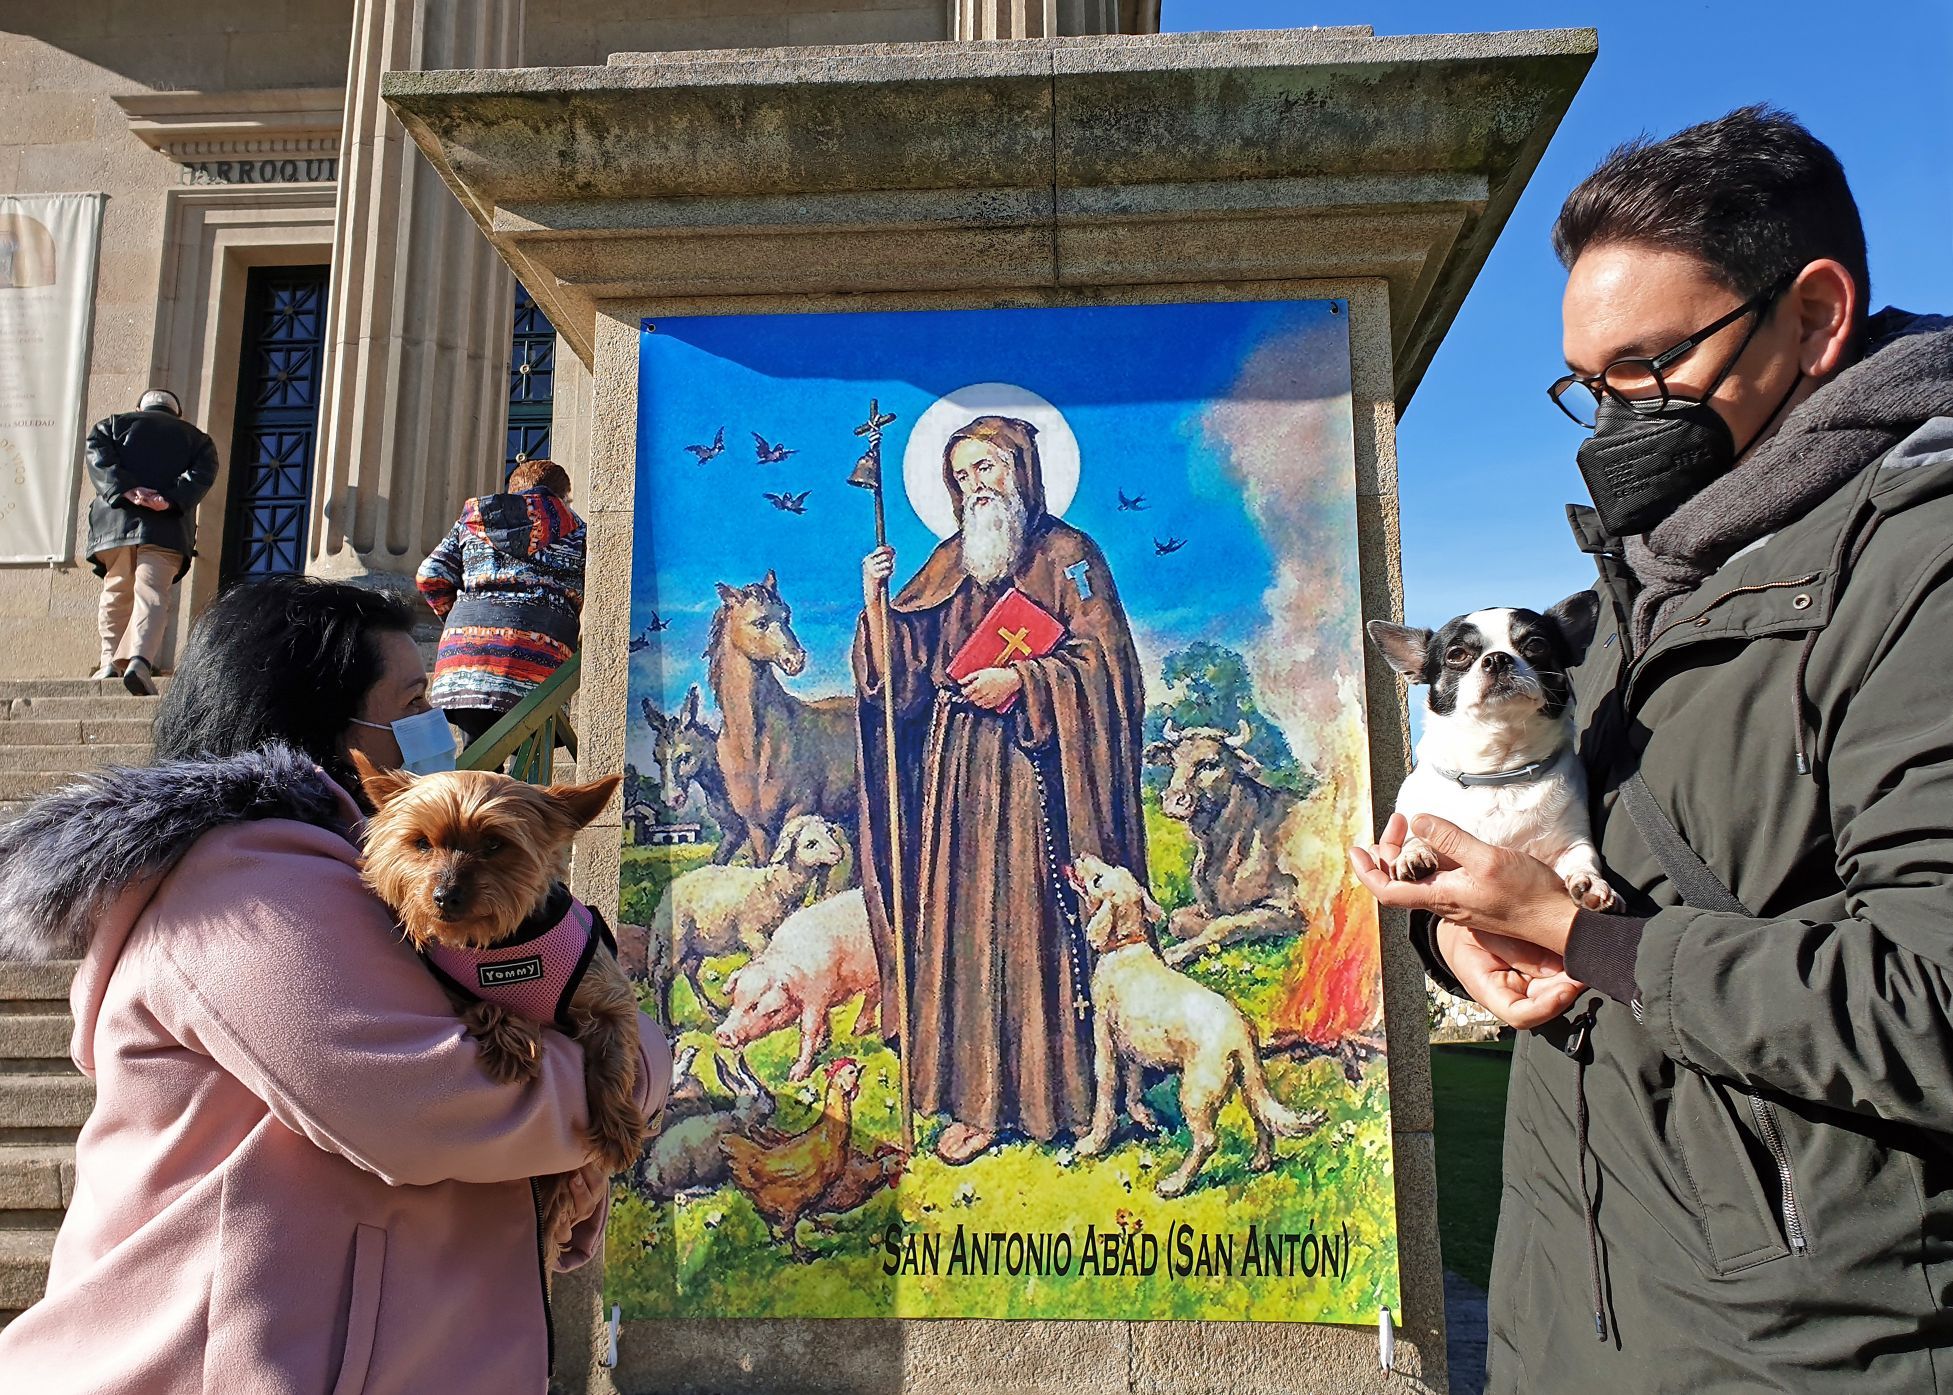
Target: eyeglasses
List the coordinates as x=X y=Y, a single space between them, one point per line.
x=1638 y=383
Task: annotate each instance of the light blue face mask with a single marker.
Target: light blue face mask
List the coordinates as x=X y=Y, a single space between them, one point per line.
x=426 y=744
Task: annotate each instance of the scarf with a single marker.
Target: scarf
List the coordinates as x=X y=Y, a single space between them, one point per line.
x=1904 y=379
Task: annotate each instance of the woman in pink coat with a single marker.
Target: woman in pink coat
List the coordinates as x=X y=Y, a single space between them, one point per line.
x=297 y=1176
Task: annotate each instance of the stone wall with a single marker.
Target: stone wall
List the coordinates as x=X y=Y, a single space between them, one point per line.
x=567 y=33
x=62 y=63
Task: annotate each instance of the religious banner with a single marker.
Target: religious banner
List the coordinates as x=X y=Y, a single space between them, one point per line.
x=47 y=302
x=996 y=739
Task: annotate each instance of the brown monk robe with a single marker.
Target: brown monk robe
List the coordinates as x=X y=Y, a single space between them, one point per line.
x=994 y=801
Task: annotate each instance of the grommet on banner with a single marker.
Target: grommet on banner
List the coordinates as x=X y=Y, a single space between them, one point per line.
x=610 y=1352
x=1386 y=1340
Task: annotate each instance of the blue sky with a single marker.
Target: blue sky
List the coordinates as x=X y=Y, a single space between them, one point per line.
x=1486 y=463
x=1139 y=430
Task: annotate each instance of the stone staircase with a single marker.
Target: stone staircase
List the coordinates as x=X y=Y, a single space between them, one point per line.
x=49 y=731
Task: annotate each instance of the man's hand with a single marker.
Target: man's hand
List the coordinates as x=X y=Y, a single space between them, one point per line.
x=587 y=1187
x=1520 y=984
x=992 y=687
x=876 y=568
x=144 y=498
x=1483 y=888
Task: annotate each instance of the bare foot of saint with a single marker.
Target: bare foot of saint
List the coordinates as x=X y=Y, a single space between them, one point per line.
x=962 y=1142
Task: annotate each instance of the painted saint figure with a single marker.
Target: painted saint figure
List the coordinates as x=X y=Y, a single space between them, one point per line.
x=1002 y=776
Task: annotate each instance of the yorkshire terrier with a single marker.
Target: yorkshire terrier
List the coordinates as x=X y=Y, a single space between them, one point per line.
x=473 y=864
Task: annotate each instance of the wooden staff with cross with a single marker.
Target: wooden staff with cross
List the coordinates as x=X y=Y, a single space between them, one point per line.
x=867 y=475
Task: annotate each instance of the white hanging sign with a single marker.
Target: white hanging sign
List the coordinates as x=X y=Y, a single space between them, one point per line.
x=48 y=246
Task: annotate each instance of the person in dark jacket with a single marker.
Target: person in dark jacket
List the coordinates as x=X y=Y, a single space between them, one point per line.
x=150 y=469
x=507 y=581
x=1729 y=1133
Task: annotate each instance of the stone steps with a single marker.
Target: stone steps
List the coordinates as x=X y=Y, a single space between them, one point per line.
x=36 y=986
x=34 y=1043
x=24 y=1256
x=49 y=731
x=79 y=709
x=18 y=786
x=44 y=1108
x=69 y=732
x=12 y=688
x=66 y=760
x=37 y=1181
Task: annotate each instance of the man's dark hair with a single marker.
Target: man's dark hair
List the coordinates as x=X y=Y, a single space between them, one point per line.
x=1753 y=195
x=285 y=658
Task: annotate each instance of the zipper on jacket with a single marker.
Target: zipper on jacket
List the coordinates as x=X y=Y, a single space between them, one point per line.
x=1793 y=1220
x=542 y=1272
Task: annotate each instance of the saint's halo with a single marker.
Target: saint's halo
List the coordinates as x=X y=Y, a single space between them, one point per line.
x=922 y=459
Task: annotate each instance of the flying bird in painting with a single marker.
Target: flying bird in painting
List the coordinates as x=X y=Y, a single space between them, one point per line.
x=769 y=454
x=642 y=642
x=790 y=503
x=1132 y=505
x=1161 y=549
x=711 y=452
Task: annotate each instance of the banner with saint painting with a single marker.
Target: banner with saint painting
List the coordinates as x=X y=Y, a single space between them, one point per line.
x=996 y=739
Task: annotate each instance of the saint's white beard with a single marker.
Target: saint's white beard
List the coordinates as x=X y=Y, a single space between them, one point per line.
x=993 y=537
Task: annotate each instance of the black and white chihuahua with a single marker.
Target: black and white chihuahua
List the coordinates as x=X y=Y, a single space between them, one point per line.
x=1497 y=755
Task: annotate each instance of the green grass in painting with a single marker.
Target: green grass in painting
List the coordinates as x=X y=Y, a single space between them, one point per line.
x=1468 y=1084
x=713 y=1255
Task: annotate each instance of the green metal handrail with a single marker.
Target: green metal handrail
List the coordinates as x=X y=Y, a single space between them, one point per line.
x=531 y=729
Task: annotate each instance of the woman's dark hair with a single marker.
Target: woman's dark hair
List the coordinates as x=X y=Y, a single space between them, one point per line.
x=285 y=658
x=1753 y=195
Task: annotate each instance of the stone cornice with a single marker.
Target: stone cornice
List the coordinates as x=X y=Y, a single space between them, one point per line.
x=1066 y=163
x=189 y=126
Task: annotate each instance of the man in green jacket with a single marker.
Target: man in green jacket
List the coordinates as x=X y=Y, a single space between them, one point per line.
x=1729 y=1137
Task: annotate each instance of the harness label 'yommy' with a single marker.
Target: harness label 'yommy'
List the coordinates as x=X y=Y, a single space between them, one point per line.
x=514 y=971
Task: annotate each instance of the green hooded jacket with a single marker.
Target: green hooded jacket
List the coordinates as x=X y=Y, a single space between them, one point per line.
x=1767 y=1098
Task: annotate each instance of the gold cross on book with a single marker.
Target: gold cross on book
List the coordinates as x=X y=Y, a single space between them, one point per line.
x=1015 y=642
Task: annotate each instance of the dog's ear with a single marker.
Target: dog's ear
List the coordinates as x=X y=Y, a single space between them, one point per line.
x=727 y=594
x=380 y=785
x=582 y=803
x=1576 y=618
x=1159 y=753
x=1155 y=915
x=688 y=710
x=1405 y=648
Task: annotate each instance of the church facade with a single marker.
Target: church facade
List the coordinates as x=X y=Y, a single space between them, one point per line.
x=276 y=252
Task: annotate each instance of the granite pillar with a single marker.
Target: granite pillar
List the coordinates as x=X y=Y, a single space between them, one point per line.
x=415 y=408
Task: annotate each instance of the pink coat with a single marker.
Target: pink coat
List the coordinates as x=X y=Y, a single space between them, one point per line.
x=297 y=1177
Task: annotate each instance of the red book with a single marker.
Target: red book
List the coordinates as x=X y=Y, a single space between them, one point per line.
x=1016 y=627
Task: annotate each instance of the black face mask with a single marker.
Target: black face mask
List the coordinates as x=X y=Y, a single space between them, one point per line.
x=1642 y=466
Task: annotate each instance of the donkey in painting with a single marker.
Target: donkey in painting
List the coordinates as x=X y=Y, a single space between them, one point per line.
x=781 y=756
x=686 y=752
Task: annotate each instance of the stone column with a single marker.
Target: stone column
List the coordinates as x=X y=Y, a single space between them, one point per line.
x=1045 y=19
x=414 y=416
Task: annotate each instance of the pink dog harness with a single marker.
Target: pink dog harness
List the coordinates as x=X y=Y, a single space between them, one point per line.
x=535 y=972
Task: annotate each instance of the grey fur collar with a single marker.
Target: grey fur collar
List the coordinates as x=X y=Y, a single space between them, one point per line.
x=65 y=859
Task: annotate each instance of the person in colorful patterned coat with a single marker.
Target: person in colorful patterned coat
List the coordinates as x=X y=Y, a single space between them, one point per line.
x=507 y=582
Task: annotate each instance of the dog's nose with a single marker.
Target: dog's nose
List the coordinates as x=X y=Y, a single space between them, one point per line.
x=446 y=898
x=1498 y=661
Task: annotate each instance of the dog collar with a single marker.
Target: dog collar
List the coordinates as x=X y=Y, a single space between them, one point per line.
x=533 y=973
x=1519 y=775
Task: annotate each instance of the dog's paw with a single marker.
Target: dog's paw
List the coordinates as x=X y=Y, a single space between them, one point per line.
x=1592 y=891
x=1143 y=1117
x=1186 y=923
x=1416 y=862
x=1094 y=1143
x=511 y=1046
x=1177 y=955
